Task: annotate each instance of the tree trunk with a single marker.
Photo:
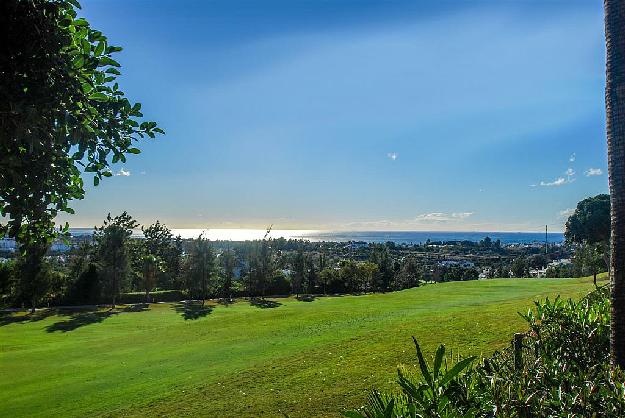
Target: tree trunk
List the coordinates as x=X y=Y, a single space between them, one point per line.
x=615 y=124
x=594 y=278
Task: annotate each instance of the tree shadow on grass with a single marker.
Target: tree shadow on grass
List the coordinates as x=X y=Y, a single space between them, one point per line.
x=225 y=301
x=192 y=310
x=264 y=303
x=81 y=317
x=80 y=320
x=8 y=318
x=306 y=298
x=137 y=307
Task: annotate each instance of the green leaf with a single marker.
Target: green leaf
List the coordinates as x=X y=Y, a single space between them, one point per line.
x=134 y=150
x=113 y=70
x=388 y=412
x=99 y=97
x=96 y=180
x=99 y=49
x=109 y=61
x=74 y=3
x=460 y=366
x=422 y=364
x=438 y=360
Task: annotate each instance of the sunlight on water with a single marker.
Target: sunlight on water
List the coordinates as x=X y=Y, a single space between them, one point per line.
x=243 y=234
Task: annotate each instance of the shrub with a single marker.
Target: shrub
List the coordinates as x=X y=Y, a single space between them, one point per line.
x=562 y=370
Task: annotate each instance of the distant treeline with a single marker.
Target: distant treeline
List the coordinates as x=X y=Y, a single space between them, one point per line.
x=116 y=267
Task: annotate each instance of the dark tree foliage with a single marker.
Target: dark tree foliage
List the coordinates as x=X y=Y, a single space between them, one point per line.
x=160 y=242
x=113 y=252
x=228 y=264
x=61 y=114
x=591 y=221
x=200 y=268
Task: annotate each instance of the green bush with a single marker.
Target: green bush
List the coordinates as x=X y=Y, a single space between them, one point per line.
x=562 y=370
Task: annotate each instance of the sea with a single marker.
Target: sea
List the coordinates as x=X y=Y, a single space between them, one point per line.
x=398 y=237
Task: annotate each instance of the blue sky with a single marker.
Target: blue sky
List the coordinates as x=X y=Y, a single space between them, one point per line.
x=421 y=115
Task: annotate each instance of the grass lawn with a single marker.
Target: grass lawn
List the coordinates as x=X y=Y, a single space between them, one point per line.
x=303 y=358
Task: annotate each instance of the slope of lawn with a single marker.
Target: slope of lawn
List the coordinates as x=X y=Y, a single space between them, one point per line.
x=302 y=358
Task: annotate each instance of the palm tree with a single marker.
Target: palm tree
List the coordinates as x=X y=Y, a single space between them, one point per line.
x=615 y=120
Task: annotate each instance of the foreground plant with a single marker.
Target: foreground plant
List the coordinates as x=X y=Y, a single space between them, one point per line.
x=561 y=369
x=429 y=397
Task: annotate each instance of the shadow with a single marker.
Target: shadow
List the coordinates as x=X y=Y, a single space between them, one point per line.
x=226 y=302
x=8 y=318
x=264 y=303
x=192 y=310
x=306 y=298
x=79 y=317
x=137 y=307
x=80 y=320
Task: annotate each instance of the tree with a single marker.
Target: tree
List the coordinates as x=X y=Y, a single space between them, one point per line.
x=589 y=228
x=152 y=265
x=113 y=254
x=266 y=266
x=409 y=274
x=299 y=267
x=590 y=222
x=615 y=124
x=385 y=273
x=520 y=267
x=160 y=242
x=61 y=114
x=200 y=267
x=326 y=277
x=228 y=263
x=313 y=276
x=589 y=257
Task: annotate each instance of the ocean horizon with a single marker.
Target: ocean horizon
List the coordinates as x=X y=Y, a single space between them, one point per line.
x=398 y=237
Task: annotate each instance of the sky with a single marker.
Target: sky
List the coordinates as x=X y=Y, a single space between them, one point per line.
x=358 y=115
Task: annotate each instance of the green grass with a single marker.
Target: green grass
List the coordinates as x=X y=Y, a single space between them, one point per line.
x=303 y=358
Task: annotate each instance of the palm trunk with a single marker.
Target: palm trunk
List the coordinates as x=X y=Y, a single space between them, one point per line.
x=615 y=123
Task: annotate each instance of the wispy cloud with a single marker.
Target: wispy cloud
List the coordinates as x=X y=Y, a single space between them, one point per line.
x=564 y=214
x=593 y=172
x=572 y=158
x=392 y=155
x=442 y=216
x=429 y=220
x=556 y=183
x=123 y=172
x=560 y=181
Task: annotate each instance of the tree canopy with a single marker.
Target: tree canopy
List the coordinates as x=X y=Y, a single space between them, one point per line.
x=591 y=221
x=62 y=114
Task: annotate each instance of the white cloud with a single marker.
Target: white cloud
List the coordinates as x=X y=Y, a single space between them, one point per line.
x=429 y=220
x=442 y=217
x=557 y=182
x=593 y=172
x=566 y=212
x=560 y=181
x=142 y=173
x=392 y=155
x=122 y=172
x=572 y=158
